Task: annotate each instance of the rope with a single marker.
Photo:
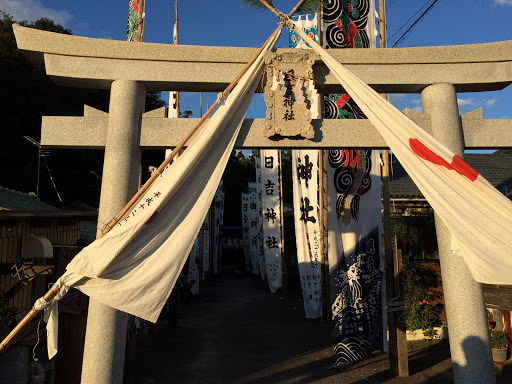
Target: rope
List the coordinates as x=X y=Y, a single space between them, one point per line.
x=220 y=97
x=397 y=304
x=38 y=339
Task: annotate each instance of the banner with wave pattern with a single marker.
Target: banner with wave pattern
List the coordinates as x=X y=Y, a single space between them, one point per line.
x=354 y=203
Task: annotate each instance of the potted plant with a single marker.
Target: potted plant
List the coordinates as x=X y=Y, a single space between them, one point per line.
x=499 y=345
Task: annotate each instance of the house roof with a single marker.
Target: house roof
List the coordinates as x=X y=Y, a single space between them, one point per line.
x=11 y=200
x=495 y=167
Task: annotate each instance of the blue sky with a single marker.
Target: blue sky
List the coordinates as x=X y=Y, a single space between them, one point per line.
x=232 y=23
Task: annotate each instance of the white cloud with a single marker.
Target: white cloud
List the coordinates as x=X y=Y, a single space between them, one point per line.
x=472 y=103
x=489 y=103
x=32 y=10
x=396 y=97
x=416 y=102
x=503 y=2
x=417 y=109
x=466 y=102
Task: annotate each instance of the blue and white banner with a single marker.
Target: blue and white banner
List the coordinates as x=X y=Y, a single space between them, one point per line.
x=355 y=263
x=271 y=207
x=354 y=205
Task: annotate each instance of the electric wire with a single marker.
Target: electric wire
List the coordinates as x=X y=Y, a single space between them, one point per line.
x=410 y=18
x=402 y=38
x=54 y=186
x=390 y=4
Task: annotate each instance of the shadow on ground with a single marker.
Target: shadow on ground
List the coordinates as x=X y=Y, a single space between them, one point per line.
x=237 y=332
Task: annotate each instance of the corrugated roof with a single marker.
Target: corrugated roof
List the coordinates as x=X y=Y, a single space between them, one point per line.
x=496 y=168
x=12 y=200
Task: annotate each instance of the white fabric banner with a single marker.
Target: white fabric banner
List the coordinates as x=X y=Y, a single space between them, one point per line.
x=305 y=197
x=218 y=225
x=270 y=201
x=307 y=229
x=245 y=232
x=261 y=254
x=477 y=214
x=253 y=228
x=206 y=244
x=193 y=268
x=134 y=267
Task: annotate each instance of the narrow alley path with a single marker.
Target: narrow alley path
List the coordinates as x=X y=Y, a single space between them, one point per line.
x=237 y=332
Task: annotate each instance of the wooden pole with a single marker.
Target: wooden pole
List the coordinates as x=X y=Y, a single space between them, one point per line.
x=398 y=360
x=51 y=293
x=322 y=204
x=284 y=256
x=322 y=217
x=140 y=20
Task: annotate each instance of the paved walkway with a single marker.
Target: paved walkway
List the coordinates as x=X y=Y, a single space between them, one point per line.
x=237 y=332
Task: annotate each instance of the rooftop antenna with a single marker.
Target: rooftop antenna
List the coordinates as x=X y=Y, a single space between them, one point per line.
x=42 y=153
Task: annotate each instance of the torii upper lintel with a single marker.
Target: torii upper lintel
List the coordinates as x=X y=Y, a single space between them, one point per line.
x=94 y=63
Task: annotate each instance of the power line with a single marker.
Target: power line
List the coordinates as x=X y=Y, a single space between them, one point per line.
x=416 y=22
x=390 y=4
x=410 y=18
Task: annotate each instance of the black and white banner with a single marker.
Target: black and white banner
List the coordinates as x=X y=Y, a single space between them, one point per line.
x=261 y=253
x=271 y=207
x=245 y=237
x=193 y=268
x=307 y=229
x=254 y=226
x=206 y=244
x=218 y=225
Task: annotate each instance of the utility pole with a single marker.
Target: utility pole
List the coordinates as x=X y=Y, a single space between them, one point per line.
x=398 y=359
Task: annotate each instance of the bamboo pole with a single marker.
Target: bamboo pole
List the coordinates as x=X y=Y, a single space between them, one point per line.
x=51 y=293
x=398 y=359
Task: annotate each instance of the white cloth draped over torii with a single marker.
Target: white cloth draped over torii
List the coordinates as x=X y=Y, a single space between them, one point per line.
x=134 y=267
x=478 y=215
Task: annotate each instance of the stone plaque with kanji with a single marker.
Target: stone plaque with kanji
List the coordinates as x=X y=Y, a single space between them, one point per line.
x=288 y=94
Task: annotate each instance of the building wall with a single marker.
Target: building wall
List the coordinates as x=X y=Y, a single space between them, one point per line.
x=62 y=231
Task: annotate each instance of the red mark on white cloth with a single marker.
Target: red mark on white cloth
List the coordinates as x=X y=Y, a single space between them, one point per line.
x=152 y=217
x=457 y=163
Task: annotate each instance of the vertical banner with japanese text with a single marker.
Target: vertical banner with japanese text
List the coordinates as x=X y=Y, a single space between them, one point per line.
x=270 y=202
x=245 y=232
x=193 y=268
x=354 y=205
x=307 y=229
x=305 y=198
x=263 y=272
x=253 y=228
x=206 y=244
x=218 y=206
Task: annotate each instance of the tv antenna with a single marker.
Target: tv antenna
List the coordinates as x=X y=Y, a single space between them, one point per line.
x=42 y=154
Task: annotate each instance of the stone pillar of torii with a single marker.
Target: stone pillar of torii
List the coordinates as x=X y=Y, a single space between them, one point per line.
x=129 y=70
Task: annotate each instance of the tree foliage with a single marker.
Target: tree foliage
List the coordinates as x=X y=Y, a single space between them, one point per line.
x=27 y=95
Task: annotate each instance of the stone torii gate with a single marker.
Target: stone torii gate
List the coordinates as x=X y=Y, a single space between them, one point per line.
x=129 y=70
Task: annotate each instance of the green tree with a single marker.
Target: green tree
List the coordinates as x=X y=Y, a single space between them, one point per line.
x=27 y=95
